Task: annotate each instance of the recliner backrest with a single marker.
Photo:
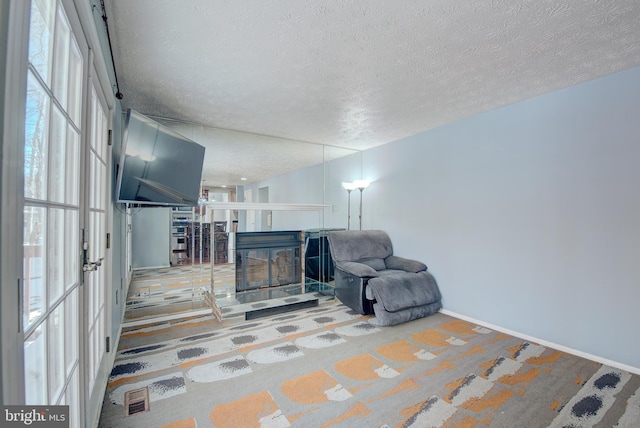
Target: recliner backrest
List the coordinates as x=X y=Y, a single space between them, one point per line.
x=364 y=246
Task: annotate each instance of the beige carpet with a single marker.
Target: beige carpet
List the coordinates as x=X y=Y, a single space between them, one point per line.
x=330 y=367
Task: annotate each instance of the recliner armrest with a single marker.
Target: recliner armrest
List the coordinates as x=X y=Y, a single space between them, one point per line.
x=407 y=265
x=358 y=269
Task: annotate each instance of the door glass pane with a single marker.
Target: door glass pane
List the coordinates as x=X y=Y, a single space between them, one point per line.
x=55 y=352
x=96 y=281
x=102 y=176
x=36 y=141
x=72 y=166
x=34 y=294
x=61 y=71
x=92 y=183
x=72 y=399
x=56 y=252
x=99 y=220
x=58 y=156
x=71 y=342
x=35 y=366
x=75 y=84
x=41 y=37
x=100 y=129
x=72 y=252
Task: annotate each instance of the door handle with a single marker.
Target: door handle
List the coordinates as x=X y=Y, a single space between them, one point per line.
x=88 y=266
x=92 y=266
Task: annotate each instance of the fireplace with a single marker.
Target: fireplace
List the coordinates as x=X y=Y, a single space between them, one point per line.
x=267 y=259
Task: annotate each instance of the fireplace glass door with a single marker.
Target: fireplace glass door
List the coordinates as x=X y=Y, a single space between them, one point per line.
x=267 y=259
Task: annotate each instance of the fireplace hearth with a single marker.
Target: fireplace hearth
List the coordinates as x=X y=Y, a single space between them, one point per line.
x=267 y=259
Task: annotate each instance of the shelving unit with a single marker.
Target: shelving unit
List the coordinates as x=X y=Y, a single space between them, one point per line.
x=180 y=221
x=190 y=239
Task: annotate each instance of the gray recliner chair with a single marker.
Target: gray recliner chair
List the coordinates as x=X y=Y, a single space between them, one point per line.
x=369 y=278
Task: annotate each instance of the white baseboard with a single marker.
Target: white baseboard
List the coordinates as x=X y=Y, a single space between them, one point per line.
x=562 y=348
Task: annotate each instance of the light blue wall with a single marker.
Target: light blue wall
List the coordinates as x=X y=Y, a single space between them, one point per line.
x=299 y=187
x=151 y=238
x=528 y=216
x=320 y=184
x=120 y=274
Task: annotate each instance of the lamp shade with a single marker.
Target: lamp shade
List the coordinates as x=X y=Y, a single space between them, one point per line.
x=361 y=184
x=349 y=186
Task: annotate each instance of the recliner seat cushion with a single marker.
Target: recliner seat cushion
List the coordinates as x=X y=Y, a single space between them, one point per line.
x=375 y=263
x=398 y=291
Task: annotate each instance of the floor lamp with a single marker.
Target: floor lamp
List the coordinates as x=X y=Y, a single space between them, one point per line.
x=349 y=187
x=361 y=185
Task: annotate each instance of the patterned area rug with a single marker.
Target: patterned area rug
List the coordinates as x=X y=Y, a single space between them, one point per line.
x=330 y=367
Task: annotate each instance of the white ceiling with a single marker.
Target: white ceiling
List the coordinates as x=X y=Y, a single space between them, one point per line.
x=357 y=73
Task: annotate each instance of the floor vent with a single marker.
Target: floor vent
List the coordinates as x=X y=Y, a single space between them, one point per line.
x=136 y=401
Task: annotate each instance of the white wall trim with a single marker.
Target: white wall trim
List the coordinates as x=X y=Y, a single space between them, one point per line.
x=246 y=206
x=546 y=343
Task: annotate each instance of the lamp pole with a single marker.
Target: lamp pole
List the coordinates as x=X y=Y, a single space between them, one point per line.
x=349 y=209
x=349 y=187
x=361 y=185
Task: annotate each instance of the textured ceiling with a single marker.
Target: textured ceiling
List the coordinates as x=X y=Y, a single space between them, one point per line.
x=358 y=73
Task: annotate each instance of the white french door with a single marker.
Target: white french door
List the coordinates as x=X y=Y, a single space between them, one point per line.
x=66 y=221
x=95 y=249
x=53 y=210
